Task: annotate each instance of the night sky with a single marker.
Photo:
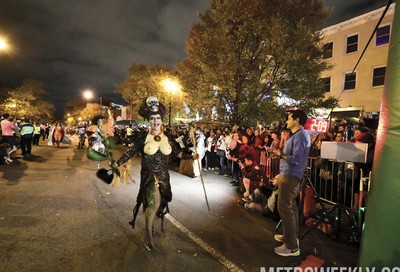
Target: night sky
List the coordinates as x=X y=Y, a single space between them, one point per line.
x=78 y=44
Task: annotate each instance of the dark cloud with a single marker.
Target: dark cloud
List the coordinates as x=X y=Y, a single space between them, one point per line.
x=73 y=45
x=78 y=44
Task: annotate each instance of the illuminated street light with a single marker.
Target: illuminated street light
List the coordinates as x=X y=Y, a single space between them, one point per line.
x=171 y=86
x=3 y=44
x=14 y=107
x=88 y=94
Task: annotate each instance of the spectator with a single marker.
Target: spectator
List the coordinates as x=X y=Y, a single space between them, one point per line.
x=36 y=134
x=252 y=176
x=43 y=131
x=211 y=157
x=250 y=136
x=285 y=134
x=258 y=140
x=7 y=132
x=292 y=166
x=47 y=131
x=221 y=153
x=200 y=146
x=339 y=137
x=233 y=156
x=275 y=140
x=246 y=149
x=129 y=135
x=228 y=138
x=264 y=200
x=27 y=131
x=363 y=135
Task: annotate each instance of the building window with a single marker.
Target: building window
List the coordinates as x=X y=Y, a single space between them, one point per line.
x=383 y=35
x=352 y=44
x=350 y=81
x=327 y=50
x=379 y=76
x=326 y=84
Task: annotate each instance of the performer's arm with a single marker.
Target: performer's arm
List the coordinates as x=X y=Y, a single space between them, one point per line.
x=138 y=139
x=126 y=156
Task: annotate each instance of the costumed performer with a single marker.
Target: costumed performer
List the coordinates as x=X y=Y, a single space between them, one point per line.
x=58 y=133
x=100 y=138
x=155 y=148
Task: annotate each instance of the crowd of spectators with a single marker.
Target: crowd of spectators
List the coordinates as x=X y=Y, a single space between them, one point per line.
x=21 y=134
x=224 y=149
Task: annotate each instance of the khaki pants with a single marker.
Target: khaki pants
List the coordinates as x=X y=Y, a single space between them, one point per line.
x=288 y=210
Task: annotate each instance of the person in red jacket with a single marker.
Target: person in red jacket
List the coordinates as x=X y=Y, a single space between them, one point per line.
x=252 y=176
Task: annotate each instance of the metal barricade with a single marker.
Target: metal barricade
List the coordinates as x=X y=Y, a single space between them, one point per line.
x=336 y=182
x=339 y=184
x=272 y=166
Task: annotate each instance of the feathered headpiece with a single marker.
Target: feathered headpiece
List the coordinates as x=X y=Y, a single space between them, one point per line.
x=151 y=106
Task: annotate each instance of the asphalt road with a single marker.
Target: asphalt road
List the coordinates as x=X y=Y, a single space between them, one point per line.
x=55 y=215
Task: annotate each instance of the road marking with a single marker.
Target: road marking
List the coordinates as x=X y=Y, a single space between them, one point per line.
x=228 y=264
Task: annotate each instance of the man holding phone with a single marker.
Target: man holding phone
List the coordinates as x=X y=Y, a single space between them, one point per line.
x=293 y=163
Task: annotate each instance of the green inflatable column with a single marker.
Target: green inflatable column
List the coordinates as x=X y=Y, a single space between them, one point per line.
x=380 y=244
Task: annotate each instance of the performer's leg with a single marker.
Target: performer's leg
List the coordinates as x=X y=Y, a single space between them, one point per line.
x=150 y=214
x=135 y=212
x=139 y=202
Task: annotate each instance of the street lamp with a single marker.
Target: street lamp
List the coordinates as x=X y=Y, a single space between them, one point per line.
x=171 y=86
x=14 y=106
x=88 y=94
x=3 y=44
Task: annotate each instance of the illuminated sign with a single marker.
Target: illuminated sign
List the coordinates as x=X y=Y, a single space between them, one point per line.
x=319 y=125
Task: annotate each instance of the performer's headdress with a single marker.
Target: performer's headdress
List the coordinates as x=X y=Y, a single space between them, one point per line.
x=95 y=120
x=151 y=106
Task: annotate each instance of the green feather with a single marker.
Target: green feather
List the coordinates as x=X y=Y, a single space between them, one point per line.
x=95 y=156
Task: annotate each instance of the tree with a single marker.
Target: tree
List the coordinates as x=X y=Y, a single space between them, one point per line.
x=143 y=81
x=255 y=51
x=28 y=101
x=73 y=110
x=90 y=111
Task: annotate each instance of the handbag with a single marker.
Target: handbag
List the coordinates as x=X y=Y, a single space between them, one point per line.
x=220 y=153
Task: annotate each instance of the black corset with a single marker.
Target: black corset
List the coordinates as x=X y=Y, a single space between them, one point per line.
x=155 y=163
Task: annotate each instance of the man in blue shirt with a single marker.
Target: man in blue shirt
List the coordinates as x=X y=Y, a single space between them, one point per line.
x=292 y=166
